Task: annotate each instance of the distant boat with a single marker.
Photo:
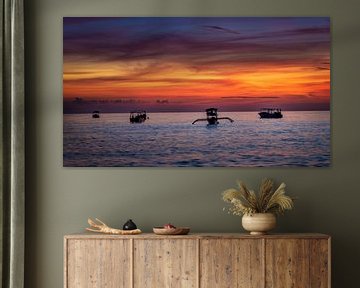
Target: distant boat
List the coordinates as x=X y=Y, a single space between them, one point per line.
x=138 y=117
x=270 y=113
x=212 y=117
x=96 y=114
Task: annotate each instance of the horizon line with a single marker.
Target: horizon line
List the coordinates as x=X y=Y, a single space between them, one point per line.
x=202 y=111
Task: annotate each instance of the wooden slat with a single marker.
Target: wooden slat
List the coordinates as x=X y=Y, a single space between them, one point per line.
x=98 y=263
x=329 y=262
x=165 y=263
x=287 y=263
x=65 y=262
x=198 y=263
x=319 y=263
x=263 y=252
x=131 y=252
x=231 y=263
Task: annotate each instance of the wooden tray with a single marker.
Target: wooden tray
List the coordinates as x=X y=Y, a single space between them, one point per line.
x=171 y=231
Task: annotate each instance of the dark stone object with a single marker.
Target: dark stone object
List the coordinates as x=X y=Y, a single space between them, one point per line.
x=129 y=225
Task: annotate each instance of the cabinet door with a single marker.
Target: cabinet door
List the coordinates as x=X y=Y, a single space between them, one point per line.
x=319 y=263
x=165 y=263
x=231 y=263
x=287 y=263
x=98 y=263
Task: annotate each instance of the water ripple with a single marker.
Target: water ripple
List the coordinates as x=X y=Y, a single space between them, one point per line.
x=300 y=139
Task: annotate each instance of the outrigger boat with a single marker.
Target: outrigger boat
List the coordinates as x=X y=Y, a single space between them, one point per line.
x=138 y=117
x=96 y=114
x=212 y=117
x=270 y=113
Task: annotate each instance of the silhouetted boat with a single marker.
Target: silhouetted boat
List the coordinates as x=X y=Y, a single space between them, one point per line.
x=138 y=117
x=96 y=114
x=212 y=117
x=270 y=113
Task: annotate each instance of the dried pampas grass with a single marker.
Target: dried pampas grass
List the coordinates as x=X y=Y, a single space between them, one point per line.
x=267 y=200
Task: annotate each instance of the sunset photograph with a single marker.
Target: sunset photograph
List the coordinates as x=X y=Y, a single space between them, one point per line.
x=196 y=91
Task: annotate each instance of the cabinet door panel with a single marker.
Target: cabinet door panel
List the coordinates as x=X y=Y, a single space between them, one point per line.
x=231 y=263
x=98 y=264
x=166 y=263
x=319 y=263
x=287 y=263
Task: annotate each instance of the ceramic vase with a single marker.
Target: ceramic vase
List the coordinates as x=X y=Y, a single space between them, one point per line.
x=259 y=223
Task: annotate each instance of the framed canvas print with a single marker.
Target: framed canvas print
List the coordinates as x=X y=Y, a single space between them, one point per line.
x=196 y=91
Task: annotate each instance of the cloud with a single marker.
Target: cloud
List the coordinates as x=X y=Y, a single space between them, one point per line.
x=250 y=97
x=160 y=80
x=321 y=68
x=162 y=101
x=124 y=40
x=221 y=29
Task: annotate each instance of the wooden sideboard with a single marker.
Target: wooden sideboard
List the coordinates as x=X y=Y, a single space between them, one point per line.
x=197 y=260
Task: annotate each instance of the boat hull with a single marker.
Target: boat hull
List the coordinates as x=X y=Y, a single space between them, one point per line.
x=212 y=121
x=137 y=119
x=267 y=115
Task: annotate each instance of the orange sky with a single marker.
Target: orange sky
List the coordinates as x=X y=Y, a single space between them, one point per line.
x=177 y=80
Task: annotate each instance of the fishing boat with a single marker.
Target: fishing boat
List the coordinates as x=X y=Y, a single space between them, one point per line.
x=96 y=114
x=212 y=117
x=270 y=113
x=138 y=116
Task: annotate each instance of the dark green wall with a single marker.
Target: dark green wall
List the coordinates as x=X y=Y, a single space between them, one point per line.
x=59 y=200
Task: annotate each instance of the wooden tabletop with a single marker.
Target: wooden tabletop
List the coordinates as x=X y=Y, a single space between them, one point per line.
x=198 y=236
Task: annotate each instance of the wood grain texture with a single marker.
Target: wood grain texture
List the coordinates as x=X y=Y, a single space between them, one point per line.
x=287 y=263
x=166 y=263
x=231 y=263
x=98 y=264
x=197 y=260
x=319 y=263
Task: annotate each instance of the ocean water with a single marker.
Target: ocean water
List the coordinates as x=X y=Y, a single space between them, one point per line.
x=300 y=139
